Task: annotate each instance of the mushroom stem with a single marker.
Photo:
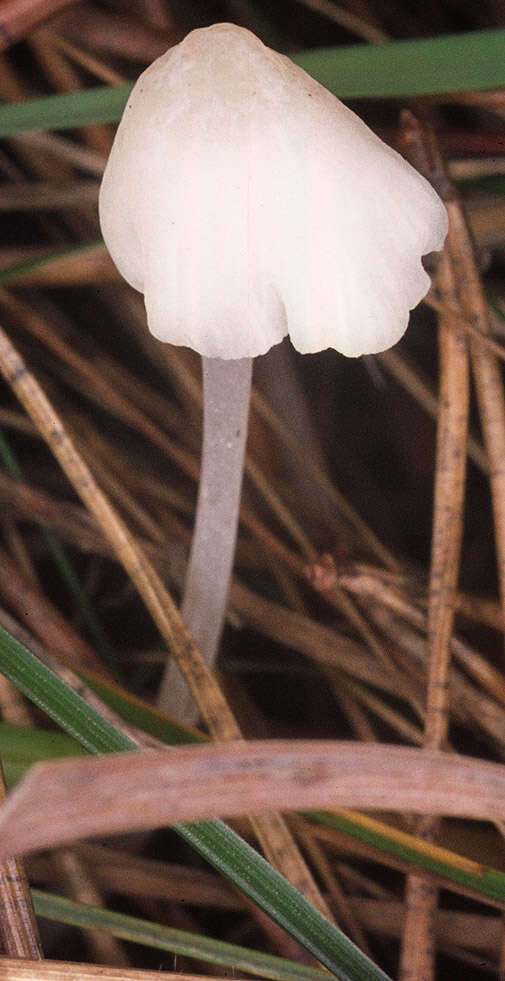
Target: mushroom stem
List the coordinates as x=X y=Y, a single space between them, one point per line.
x=226 y=397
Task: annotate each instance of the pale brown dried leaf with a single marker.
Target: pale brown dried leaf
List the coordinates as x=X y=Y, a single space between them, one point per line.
x=62 y=801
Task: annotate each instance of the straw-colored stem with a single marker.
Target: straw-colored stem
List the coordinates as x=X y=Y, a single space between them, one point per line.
x=19 y=934
x=418 y=950
x=226 y=393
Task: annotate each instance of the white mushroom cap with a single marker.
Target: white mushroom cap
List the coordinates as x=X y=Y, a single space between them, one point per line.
x=245 y=201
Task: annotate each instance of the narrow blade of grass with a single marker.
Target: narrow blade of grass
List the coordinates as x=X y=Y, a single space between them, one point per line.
x=428 y=66
x=481 y=879
x=179 y=942
x=102 y=104
x=224 y=849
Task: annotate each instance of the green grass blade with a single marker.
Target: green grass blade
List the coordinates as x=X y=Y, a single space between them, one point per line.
x=480 y=878
x=35 y=744
x=102 y=104
x=426 y=66
x=60 y=703
x=142 y=715
x=429 y=66
x=176 y=941
x=266 y=887
x=224 y=849
x=21 y=747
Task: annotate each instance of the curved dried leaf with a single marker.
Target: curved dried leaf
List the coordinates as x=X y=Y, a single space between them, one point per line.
x=64 y=800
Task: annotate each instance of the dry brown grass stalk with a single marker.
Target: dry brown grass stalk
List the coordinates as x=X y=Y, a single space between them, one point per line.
x=418 y=950
x=78 y=882
x=18 y=927
x=271 y=830
x=27 y=970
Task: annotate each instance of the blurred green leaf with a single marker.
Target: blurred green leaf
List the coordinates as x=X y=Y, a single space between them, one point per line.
x=17 y=270
x=430 y=66
x=494 y=184
x=102 y=104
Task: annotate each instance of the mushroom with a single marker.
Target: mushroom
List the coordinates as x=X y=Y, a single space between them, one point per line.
x=247 y=202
